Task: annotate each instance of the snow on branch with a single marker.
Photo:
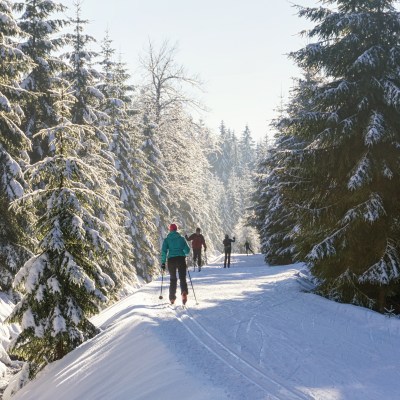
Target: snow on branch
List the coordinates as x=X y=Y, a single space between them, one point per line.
x=361 y=174
x=54 y=239
x=347 y=125
x=386 y=270
x=375 y=129
x=326 y=248
x=387 y=172
x=391 y=93
x=31 y=272
x=334 y=93
x=370 y=58
x=370 y=210
x=77 y=274
x=4 y=103
x=59 y=323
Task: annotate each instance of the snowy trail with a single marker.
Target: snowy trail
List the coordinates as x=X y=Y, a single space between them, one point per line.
x=255 y=335
x=247 y=370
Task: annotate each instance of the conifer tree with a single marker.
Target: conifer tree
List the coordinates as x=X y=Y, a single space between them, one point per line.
x=143 y=226
x=122 y=129
x=83 y=76
x=246 y=152
x=14 y=145
x=348 y=173
x=228 y=159
x=278 y=182
x=274 y=218
x=42 y=46
x=86 y=83
x=156 y=177
x=247 y=157
x=63 y=283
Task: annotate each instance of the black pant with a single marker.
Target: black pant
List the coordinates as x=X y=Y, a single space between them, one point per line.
x=197 y=256
x=227 y=257
x=177 y=264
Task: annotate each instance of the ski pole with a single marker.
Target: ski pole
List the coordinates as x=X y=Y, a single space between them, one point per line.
x=192 y=258
x=192 y=286
x=162 y=280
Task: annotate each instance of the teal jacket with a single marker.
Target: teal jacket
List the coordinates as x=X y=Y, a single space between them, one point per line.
x=174 y=245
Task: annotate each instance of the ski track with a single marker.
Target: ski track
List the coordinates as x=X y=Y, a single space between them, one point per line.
x=273 y=389
x=253 y=335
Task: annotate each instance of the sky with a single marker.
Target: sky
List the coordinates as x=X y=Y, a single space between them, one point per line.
x=238 y=49
x=254 y=334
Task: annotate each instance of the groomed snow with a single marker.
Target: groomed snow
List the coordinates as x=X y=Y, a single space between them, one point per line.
x=255 y=334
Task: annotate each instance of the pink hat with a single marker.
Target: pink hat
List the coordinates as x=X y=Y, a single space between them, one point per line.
x=173 y=227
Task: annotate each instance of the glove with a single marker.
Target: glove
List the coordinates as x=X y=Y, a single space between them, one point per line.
x=163 y=266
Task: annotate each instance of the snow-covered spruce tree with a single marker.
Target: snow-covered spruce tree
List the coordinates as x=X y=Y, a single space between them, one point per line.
x=42 y=43
x=14 y=145
x=281 y=194
x=247 y=154
x=83 y=76
x=227 y=158
x=143 y=225
x=209 y=217
x=123 y=129
x=64 y=284
x=233 y=169
x=156 y=181
x=275 y=221
x=85 y=83
x=247 y=158
x=351 y=166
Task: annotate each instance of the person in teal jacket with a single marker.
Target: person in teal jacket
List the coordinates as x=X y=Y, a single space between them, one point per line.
x=175 y=249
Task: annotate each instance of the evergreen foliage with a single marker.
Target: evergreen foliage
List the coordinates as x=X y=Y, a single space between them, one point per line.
x=122 y=129
x=64 y=283
x=14 y=145
x=86 y=83
x=347 y=171
x=41 y=46
x=110 y=168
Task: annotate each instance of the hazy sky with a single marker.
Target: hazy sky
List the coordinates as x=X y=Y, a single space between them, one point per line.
x=238 y=49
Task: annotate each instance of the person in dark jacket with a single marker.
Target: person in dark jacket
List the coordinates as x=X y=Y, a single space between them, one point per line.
x=198 y=242
x=175 y=249
x=227 y=249
x=247 y=247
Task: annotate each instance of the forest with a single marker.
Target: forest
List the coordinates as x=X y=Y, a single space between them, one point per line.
x=94 y=169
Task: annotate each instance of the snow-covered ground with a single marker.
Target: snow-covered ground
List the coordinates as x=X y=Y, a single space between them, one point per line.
x=7 y=331
x=254 y=334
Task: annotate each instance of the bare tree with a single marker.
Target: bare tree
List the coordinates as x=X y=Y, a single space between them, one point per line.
x=167 y=81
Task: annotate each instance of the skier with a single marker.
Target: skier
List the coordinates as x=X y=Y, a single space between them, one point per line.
x=175 y=249
x=228 y=248
x=198 y=241
x=248 y=248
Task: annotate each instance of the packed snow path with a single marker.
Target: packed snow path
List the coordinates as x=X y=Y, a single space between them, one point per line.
x=255 y=334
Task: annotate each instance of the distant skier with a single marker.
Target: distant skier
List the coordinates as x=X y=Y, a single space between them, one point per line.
x=175 y=249
x=198 y=241
x=227 y=249
x=248 y=248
